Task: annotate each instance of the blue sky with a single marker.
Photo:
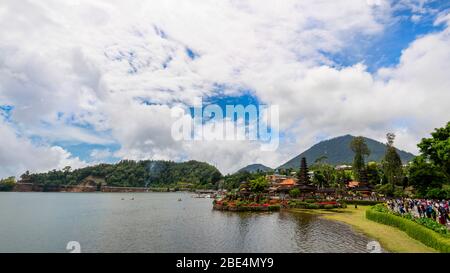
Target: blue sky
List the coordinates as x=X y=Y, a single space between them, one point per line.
x=385 y=50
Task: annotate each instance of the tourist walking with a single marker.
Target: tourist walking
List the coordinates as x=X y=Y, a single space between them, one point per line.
x=442 y=216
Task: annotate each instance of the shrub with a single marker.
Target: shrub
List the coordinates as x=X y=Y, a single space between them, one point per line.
x=329 y=206
x=274 y=207
x=433 y=225
x=380 y=208
x=438 y=194
x=312 y=206
x=294 y=193
x=413 y=229
x=408 y=216
x=328 y=203
x=7 y=184
x=363 y=202
x=297 y=204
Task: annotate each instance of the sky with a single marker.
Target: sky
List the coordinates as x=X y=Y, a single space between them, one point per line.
x=84 y=82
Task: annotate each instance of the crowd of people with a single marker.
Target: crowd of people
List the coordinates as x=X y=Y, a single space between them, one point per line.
x=433 y=209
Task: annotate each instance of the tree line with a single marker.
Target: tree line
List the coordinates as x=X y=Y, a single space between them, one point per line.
x=130 y=173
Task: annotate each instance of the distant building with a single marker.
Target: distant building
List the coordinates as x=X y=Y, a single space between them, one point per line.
x=275 y=179
x=286 y=185
x=361 y=188
x=343 y=167
x=353 y=184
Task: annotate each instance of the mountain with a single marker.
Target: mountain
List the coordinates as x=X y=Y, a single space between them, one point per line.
x=253 y=168
x=337 y=151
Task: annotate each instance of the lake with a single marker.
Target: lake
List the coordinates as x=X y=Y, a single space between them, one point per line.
x=158 y=222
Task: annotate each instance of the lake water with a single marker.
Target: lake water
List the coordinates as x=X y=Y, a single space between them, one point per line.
x=158 y=222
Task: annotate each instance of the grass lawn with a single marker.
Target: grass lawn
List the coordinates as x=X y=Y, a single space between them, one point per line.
x=390 y=238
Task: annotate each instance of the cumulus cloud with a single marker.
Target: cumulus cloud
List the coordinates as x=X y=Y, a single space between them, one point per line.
x=18 y=154
x=103 y=72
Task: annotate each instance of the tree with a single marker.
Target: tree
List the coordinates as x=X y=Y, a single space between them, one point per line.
x=324 y=175
x=360 y=148
x=342 y=178
x=425 y=176
x=233 y=181
x=392 y=163
x=373 y=173
x=7 y=184
x=259 y=184
x=67 y=169
x=294 y=193
x=303 y=174
x=320 y=159
x=25 y=176
x=437 y=149
x=130 y=173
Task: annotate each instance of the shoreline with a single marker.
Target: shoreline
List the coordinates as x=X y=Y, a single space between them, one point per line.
x=382 y=233
x=29 y=187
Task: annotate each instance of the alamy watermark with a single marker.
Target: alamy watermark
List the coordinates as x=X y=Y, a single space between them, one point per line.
x=235 y=122
x=73 y=247
x=374 y=247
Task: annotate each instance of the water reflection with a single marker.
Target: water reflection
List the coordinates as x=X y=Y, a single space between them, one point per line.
x=157 y=222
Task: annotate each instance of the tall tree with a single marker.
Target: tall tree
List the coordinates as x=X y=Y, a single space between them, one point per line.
x=431 y=169
x=392 y=163
x=324 y=175
x=437 y=149
x=360 y=148
x=303 y=174
x=373 y=173
x=425 y=176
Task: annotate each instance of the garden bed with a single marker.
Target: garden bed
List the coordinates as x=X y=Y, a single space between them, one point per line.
x=274 y=205
x=250 y=207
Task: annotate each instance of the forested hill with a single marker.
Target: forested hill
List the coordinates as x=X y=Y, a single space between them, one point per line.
x=129 y=173
x=337 y=151
x=254 y=168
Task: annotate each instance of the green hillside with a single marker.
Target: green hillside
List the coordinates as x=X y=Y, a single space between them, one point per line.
x=253 y=168
x=337 y=151
x=129 y=173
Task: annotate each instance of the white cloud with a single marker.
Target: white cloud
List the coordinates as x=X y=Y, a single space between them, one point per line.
x=69 y=63
x=99 y=154
x=18 y=154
